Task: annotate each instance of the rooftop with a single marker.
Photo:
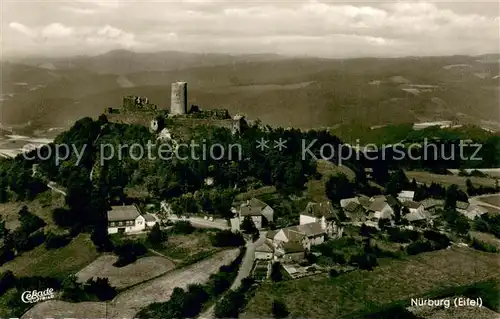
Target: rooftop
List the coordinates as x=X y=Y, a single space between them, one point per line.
x=412 y=204
x=407 y=194
x=321 y=209
x=149 y=217
x=292 y=247
x=351 y=206
x=431 y=202
x=265 y=247
x=123 y=213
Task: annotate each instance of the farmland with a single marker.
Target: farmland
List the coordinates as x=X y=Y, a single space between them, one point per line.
x=129 y=302
x=394 y=280
x=447 y=180
x=41 y=206
x=120 y=277
x=59 y=263
x=492 y=200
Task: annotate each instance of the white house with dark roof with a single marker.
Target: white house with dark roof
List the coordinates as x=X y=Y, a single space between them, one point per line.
x=150 y=220
x=380 y=209
x=415 y=207
x=260 y=212
x=406 y=196
x=322 y=213
x=307 y=235
x=264 y=251
x=125 y=219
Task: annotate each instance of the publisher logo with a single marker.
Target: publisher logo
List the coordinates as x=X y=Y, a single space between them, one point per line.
x=35 y=296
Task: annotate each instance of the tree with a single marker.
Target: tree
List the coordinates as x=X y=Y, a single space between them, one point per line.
x=397 y=182
x=100 y=288
x=279 y=309
x=229 y=306
x=29 y=222
x=339 y=187
x=226 y=238
x=54 y=241
x=248 y=226
x=100 y=238
x=451 y=197
x=157 y=236
x=276 y=274
x=7 y=281
x=383 y=223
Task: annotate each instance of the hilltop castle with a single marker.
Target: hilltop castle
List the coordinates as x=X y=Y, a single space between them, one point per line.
x=138 y=110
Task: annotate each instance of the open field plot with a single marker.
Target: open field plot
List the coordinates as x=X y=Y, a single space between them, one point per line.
x=316 y=188
x=394 y=280
x=492 y=200
x=488 y=238
x=41 y=206
x=255 y=193
x=58 y=262
x=185 y=248
x=128 y=303
x=121 y=277
x=447 y=180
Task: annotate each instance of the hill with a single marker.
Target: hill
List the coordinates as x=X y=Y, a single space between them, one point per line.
x=314 y=92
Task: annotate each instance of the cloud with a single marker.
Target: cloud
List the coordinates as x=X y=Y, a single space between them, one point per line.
x=77 y=10
x=22 y=29
x=56 y=30
x=299 y=27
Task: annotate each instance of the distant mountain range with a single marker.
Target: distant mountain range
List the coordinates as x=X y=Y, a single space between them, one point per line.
x=280 y=90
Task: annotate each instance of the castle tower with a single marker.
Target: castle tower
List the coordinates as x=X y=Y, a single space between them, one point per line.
x=178 y=98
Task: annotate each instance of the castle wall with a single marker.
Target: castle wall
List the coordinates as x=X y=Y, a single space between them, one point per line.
x=131 y=118
x=191 y=123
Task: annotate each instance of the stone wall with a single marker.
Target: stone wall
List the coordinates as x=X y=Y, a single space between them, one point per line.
x=131 y=118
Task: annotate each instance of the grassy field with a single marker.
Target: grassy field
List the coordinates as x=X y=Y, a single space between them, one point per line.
x=41 y=206
x=316 y=188
x=447 y=180
x=184 y=249
x=121 y=277
x=265 y=190
x=492 y=200
x=394 y=280
x=57 y=263
x=130 y=301
x=488 y=238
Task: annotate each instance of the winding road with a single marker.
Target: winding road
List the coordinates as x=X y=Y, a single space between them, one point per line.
x=243 y=272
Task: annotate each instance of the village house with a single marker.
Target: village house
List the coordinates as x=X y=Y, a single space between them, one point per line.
x=125 y=219
x=414 y=207
x=150 y=220
x=432 y=205
x=355 y=212
x=473 y=211
x=379 y=209
x=346 y=201
x=264 y=251
x=292 y=252
x=260 y=213
x=322 y=213
x=418 y=217
x=406 y=196
x=307 y=235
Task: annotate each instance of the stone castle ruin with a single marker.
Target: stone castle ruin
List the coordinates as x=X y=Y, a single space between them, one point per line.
x=138 y=110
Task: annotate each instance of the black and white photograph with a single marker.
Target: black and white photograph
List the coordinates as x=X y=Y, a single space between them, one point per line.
x=216 y=159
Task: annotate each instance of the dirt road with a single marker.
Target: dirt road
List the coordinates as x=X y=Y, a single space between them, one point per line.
x=243 y=272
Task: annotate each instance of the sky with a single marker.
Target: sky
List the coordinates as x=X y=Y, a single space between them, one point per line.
x=313 y=28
